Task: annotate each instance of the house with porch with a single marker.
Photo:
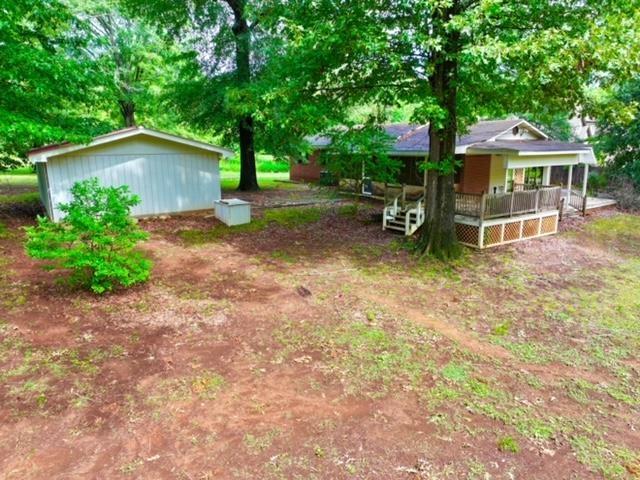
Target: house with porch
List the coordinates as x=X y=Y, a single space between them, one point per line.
x=503 y=188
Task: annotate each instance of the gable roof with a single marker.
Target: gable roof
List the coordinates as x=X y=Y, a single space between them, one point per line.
x=414 y=139
x=43 y=153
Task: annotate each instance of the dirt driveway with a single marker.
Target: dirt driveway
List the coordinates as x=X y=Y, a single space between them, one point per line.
x=313 y=345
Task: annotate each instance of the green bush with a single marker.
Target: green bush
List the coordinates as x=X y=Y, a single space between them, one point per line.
x=96 y=240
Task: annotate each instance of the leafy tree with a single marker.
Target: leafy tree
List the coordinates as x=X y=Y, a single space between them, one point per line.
x=96 y=240
x=618 y=139
x=215 y=91
x=134 y=61
x=457 y=60
x=357 y=149
x=46 y=92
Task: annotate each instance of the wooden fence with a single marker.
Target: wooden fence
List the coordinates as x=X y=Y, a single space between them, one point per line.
x=520 y=202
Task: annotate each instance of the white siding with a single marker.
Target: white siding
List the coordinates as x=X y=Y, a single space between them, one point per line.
x=498 y=174
x=168 y=178
x=43 y=186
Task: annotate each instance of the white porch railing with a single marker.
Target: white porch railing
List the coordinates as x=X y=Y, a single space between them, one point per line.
x=402 y=215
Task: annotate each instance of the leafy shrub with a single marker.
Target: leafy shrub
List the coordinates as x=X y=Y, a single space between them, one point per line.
x=597 y=182
x=96 y=240
x=625 y=193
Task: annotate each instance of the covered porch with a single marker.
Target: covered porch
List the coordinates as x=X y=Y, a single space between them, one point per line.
x=512 y=166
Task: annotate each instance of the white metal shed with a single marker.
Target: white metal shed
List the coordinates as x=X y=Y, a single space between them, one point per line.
x=170 y=174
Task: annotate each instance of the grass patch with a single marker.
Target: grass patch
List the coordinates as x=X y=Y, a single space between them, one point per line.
x=366 y=358
x=35 y=372
x=206 y=386
x=621 y=231
x=283 y=256
x=264 y=164
x=19 y=198
x=348 y=210
x=284 y=217
x=19 y=177
x=259 y=443
x=294 y=217
x=612 y=461
x=508 y=444
x=267 y=181
x=455 y=372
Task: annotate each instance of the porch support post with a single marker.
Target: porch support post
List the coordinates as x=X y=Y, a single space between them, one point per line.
x=569 y=182
x=585 y=179
x=546 y=175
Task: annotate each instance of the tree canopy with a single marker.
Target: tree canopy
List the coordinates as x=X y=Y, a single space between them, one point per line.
x=47 y=94
x=619 y=137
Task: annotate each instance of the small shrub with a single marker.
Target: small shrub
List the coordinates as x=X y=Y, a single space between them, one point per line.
x=96 y=240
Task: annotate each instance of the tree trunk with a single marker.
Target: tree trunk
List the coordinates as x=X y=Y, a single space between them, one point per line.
x=438 y=233
x=242 y=36
x=128 y=111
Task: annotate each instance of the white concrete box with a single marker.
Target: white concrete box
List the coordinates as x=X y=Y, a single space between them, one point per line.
x=233 y=211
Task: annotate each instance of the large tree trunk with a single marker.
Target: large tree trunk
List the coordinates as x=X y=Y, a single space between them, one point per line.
x=128 y=111
x=438 y=234
x=242 y=35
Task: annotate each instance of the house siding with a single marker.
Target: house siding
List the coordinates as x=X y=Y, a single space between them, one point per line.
x=476 y=173
x=168 y=178
x=306 y=172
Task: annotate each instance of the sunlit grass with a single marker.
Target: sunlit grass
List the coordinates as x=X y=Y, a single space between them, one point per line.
x=284 y=217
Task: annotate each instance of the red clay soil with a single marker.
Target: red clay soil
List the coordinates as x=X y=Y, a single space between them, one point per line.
x=135 y=411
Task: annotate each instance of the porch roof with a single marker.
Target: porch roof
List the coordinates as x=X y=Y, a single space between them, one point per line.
x=534 y=147
x=531 y=148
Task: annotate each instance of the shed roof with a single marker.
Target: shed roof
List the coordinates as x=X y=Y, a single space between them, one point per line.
x=43 y=153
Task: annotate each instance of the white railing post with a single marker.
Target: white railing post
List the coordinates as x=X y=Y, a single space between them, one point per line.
x=585 y=179
x=569 y=183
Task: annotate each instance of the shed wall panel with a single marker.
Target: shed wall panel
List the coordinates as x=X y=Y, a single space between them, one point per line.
x=168 y=182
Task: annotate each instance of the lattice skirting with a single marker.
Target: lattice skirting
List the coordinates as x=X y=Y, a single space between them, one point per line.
x=505 y=230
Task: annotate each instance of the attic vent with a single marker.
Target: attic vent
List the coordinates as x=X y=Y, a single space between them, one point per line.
x=516 y=130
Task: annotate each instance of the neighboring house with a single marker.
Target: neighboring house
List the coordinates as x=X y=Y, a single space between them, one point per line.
x=170 y=174
x=504 y=173
x=583 y=128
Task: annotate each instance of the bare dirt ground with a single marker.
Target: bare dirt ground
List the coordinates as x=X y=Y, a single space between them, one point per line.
x=313 y=345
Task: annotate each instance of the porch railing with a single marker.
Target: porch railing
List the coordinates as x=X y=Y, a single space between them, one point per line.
x=578 y=201
x=498 y=205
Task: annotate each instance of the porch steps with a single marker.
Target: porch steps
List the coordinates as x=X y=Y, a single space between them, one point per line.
x=406 y=220
x=398 y=223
